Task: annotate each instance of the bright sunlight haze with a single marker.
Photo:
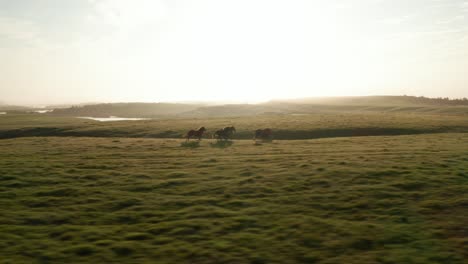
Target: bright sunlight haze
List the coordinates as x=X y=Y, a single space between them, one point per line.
x=56 y=51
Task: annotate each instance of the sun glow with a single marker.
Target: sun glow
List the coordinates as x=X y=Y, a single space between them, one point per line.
x=225 y=51
x=247 y=51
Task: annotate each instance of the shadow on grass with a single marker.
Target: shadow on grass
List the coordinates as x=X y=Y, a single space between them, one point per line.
x=260 y=142
x=222 y=144
x=190 y=144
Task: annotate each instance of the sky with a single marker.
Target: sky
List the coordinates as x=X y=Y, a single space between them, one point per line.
x=56 y=51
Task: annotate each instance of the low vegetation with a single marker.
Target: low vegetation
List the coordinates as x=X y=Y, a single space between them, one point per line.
x=290 y=126
x=399 y=199
x=345 y=182
x=190 y=144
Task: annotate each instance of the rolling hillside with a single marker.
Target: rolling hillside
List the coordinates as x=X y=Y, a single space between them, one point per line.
x=405 y=104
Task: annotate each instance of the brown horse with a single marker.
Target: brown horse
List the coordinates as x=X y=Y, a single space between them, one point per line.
x=195 y=133
x=263 y=134
x=225 y=133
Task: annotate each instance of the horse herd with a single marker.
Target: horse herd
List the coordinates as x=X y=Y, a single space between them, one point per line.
x=227 y=132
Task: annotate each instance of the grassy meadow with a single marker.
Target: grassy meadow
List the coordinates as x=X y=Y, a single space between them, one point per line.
x=285 y=126
x=375 y=199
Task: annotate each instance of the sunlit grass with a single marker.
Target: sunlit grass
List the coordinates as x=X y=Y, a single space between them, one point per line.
x=348 y=200
x=284 y=126
x=190 y=144
x=221 y=144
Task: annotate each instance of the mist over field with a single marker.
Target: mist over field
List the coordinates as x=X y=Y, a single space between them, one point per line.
x=157 y=131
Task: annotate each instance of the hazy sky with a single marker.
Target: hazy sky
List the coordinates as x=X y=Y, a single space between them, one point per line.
x=54 y=51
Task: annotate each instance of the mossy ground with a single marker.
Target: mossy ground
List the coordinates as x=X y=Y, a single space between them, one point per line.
x=400 y=199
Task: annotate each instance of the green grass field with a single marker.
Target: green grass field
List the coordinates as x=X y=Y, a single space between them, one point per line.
x=382 y=199
x=303 y=126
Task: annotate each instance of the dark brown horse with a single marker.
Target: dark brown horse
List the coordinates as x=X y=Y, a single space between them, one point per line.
x=263 y=134
x=225 y=133
x=195 y=133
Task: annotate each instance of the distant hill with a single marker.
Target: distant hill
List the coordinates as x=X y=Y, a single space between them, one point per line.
x=56 y=106
x=233 y=110
x=5 y=107
x=384 y=100
x=126 y=110
x=409 y=104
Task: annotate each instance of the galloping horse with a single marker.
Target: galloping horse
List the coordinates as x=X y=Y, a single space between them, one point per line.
x=225 y=133
x=195 y=133
x=263 y=134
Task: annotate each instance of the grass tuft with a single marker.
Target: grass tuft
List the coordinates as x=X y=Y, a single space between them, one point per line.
x=222 y=144
x=190 y=144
